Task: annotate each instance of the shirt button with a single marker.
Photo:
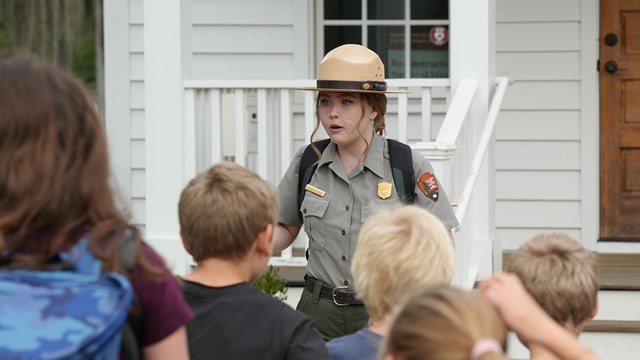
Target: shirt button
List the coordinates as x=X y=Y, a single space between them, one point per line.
x=346 y=282
x=346 y=207
x=344 y=258
x=343 y=232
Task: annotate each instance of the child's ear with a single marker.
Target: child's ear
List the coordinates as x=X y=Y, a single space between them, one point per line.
x=264 y=241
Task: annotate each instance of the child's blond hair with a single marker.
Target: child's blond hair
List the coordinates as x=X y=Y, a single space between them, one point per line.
x=399 y=254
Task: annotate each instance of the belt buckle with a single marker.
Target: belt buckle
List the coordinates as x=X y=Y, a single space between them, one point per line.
x=333 y=294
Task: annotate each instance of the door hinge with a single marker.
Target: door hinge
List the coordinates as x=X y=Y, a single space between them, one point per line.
x=598 y=65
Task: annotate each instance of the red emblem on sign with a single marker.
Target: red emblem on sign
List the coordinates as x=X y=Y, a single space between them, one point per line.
x=429 y=186
x=439 y=35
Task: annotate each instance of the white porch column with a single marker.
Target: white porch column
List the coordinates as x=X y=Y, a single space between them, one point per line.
x=163 y=128
x=117 y=92
x=472 y=55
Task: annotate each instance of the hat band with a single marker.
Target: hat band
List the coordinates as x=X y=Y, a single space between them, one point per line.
x=353 y=85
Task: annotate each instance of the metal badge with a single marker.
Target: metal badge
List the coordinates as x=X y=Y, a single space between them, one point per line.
x=384 y=190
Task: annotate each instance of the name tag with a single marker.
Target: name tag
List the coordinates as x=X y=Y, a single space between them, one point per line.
x=312 y=189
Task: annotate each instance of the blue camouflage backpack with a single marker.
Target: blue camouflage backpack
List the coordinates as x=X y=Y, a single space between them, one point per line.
x=74 y=313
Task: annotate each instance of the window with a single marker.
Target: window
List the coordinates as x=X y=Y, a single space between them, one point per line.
x=414 y=32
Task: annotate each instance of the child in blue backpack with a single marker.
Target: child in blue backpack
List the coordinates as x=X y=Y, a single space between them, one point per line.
x=55 y=192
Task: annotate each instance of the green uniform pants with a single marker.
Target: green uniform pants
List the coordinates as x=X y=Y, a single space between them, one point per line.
x=331 y=320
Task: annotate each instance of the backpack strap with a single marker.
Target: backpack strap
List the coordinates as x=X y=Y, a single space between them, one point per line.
x=132 y=333
x=308 y=165
x=402 y=168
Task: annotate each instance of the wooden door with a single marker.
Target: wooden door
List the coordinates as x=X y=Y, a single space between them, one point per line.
x=619 y=68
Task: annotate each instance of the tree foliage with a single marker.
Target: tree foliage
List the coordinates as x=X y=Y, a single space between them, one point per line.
x=62 y=32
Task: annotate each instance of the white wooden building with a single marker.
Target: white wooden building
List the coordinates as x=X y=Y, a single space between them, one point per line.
x=190 y=82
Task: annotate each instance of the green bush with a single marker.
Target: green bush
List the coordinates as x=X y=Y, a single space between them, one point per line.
x=272 y=284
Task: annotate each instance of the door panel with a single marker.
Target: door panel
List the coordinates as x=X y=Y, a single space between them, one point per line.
x=620 y=120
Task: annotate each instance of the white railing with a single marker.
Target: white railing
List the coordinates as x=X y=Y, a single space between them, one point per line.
x=265 y=121
x=260 y=119
x=457 y=155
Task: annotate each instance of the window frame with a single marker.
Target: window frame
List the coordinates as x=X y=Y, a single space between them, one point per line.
x=364 y=23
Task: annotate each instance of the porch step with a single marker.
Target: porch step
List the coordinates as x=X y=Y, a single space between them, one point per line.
x=294 y=275
x=615 y=271
x=615 y=332
x=607 y=345
x=613 y=326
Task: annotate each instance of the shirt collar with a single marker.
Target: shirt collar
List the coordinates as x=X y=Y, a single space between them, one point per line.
x=374 y=160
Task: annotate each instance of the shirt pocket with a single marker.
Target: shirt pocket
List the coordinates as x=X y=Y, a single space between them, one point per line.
x=375 y=206
x=313 y=211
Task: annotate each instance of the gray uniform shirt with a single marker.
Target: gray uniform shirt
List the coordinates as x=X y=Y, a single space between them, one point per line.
x=333 y=221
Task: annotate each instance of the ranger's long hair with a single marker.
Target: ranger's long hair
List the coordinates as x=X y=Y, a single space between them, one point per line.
x=54 y=171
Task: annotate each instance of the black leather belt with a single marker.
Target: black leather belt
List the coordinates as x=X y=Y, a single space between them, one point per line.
x=341 y=296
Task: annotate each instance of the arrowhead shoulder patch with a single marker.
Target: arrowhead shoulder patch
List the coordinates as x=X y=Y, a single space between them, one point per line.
x=429 y=186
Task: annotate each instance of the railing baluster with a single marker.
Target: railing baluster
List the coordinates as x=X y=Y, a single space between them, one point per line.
x=216 y=126
x=262 y=134
x=402 y=118
x=426 y=114
x=285 y=140
x=285 y=131
x=309 y=114
x=241 y=147
x=189 y=136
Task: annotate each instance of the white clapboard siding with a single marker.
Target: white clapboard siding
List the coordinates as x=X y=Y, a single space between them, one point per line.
x=136 y=66
x=137 y=94
x=538 y=125
x=543 y=95
x=214 y=39
x=136 y=38
x=205 y=12
x=137 y=183
x=537 y=11
x=538 y=214
x=513 y=237
x=537 y=185
x=137 y=154
x=136 y=14
x=136 y=113
x=138 y=213
x=137 y=124
x=268 y=42
x=539 y=133
x=536 y=36
x=537 y=155
x=249 y=66
x=561 y=65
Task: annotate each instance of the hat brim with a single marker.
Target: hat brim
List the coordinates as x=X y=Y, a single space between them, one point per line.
x=334 y=90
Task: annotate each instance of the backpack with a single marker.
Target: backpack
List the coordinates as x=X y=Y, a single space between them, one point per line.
x=401 y=168
x=73 y=313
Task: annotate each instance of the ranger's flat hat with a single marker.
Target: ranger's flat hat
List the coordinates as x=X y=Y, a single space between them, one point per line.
x=351 y=68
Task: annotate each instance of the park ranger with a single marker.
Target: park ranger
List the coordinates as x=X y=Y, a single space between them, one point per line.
x=352 y=178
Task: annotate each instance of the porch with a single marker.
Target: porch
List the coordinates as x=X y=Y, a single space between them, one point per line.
x=259 y=124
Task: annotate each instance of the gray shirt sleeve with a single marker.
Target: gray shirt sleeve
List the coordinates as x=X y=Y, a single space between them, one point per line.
x=437 y=204
x=288 y=193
